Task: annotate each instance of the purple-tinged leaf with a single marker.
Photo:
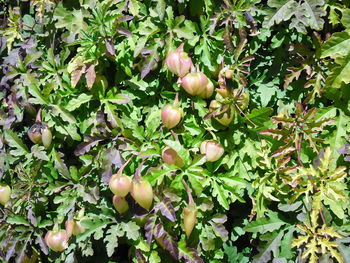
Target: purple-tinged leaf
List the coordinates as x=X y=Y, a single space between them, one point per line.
x=140 y=257
x=125 y=18
x=40 y=240
x=217 y=222
x=111 y=156
x=110 y=47
x=76 y=75
x=119 y=99
x=60 y=165
x=149 y=63
x=168 y=242
x=31 y=216
x=149 y=227
x=123 y=31
x=85 y=147
x=166 y=208
x=90 y=76
x=190 y=255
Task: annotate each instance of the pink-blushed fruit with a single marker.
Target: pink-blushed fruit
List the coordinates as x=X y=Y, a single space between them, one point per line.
x=190 y=215
x=212 y=150
x=208 y=91
x=178 y=61
x=57 y=239
x=170 y=156
x=229 y=73
x=120 y=204
x=194 y=83
x=74 y=228
x=142 y=193
x=171 y=116
x=40 y=133
x=120 y=185
x=5 y=194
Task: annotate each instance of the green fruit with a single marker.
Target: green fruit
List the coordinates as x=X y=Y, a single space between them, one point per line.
x=5 y=194
x=190 y=215
x=120 y=185
x=40 y=133
x=120 y=204
x=142 y=193
x=225 y=112
x=57 y=240
x=212 y=150
x=171 y=116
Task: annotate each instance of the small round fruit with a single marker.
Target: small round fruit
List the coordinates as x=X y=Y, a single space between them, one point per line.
x=195 y=83
x=171 y=116
x=57 y=240
x=142 y=193
x=5 y=194
x=212 y=150
x=178 y=62
x=120 y=204
x=120 y=185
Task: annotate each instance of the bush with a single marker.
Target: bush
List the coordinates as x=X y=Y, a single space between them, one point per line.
x=174 y=131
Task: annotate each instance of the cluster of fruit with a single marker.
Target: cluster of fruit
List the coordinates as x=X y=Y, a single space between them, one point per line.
x=57 y=239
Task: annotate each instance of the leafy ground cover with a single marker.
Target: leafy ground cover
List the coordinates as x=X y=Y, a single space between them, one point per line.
x=174 y=131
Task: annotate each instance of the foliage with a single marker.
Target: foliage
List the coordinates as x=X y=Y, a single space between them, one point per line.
x=92 y=75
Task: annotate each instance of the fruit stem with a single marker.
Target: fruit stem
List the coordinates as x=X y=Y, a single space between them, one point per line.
x=55 y=227
x=123 y=166
x=212 y=134
x=38 y=116
x=190 y=198
x=138 y=170
x=174 y=135
x=176 y=101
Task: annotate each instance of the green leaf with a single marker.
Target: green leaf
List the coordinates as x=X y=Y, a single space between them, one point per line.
x=220 y=193
x=282 y=10
x=339 y=73
x=77 y=102
x=263 y=225
x=17 y=220
x=15 y=142
x=337 y=46
x=270 y=247
x=131 y=229
x=111 y=239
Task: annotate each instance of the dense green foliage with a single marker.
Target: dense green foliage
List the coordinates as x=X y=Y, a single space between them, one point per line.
x=83 y=84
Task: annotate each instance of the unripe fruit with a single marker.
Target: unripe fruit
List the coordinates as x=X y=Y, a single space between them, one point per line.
x=208 y=91
x=39 y=133
x=142 y=192
x=213 y=150
x=226 y=112
x=5 y=194
x=190 y=214
x=74 y=227
x=170 y=156
x=120 y=204
x=171 y=116
x=195 y=83
x=57 y=240
x=241 y=99
x=120 y=185
x=178 y=61
x=229 y=73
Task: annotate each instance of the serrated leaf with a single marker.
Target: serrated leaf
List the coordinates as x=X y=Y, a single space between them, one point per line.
x=15 y=142
x=78 y=101
x=166 y=208
x=263 y=225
